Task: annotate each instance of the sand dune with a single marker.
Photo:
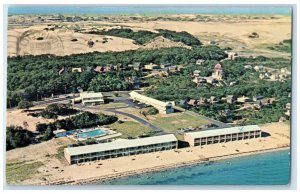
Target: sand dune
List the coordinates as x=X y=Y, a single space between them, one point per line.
x=232 y=32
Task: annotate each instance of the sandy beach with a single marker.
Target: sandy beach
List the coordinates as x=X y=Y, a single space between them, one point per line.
x=57 y=171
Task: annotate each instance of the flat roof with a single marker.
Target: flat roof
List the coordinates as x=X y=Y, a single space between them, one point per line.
x=119 y=144
x=90 y=94
x=222 y=131
x=146 y=99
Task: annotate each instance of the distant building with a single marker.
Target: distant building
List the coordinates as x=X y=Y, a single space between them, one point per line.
x=228 y=114
x=275 y=77
x=79 y=70
x=200 y=62
x=211 y=80
x=196 y=73
x=223 y=135
x=199 y=80
x=99 y=69
x=151 y=66
x=134 y=81
x=119 y=148
x=137 y=66
x=162 y=107
x=230 y=99
x=232 y=55
x=218 y=74
x=90 y=98
x=193 y=102
x=243 y=99
x=288 y=106
x=282 y=119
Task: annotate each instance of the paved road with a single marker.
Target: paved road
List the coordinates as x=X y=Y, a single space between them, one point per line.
x=63 y=99
x=113 y=110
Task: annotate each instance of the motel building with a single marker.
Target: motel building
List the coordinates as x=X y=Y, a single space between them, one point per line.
x=223 y=135
x=162 y=107
x=119 y=148
x=90 y=98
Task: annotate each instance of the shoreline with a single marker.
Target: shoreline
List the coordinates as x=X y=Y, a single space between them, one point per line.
x=109 y=177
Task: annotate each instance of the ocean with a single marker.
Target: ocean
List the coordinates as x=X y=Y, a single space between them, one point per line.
x=271 y=168
x=150 y=9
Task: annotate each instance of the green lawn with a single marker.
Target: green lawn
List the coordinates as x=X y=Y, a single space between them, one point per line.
x=113 y=105
x=19 y=171
x=130 y=128
x=173 y=123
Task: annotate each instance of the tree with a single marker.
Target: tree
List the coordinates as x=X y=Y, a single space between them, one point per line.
x=17 y=137
x=24 y=104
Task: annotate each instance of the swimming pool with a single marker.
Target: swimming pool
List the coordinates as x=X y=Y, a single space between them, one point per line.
x=91 y=134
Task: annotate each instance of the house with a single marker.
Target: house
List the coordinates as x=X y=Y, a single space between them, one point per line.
x=109 y=68
x=192 y=102
x=243 y=99
x=196 y=73
x=288 y=106
x=200 y=62
x=218 y=74
x=151 y=66
x=213 y=100
x=79 y=70
x=118 y=67
x=202 y=101
x=258 y=97
x=228 y=114
x=99 y=69
x=275 y=77
x=230 y=99
x=282 y=119
x=262 y=76
x=134 y=81
x=211 y=80
x=183 y=103
x=137 y=66
x=258 y=67
x=199 y=80
x=172 y=69
x=232 y=55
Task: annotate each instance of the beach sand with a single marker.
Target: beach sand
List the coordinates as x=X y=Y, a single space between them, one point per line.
x=98 y=171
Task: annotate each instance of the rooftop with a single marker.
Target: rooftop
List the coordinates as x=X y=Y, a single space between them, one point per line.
x=119 y=144
x=90 y=94
x=222 y=131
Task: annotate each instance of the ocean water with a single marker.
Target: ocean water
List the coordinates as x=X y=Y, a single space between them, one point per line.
x=272 y=168
x=150 y=9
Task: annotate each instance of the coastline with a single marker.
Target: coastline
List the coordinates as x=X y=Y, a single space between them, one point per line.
x=110 y=177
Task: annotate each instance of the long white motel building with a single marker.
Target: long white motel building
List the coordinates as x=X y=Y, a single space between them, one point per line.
x=162 y=107
x=119 y=148
x=222 y=135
